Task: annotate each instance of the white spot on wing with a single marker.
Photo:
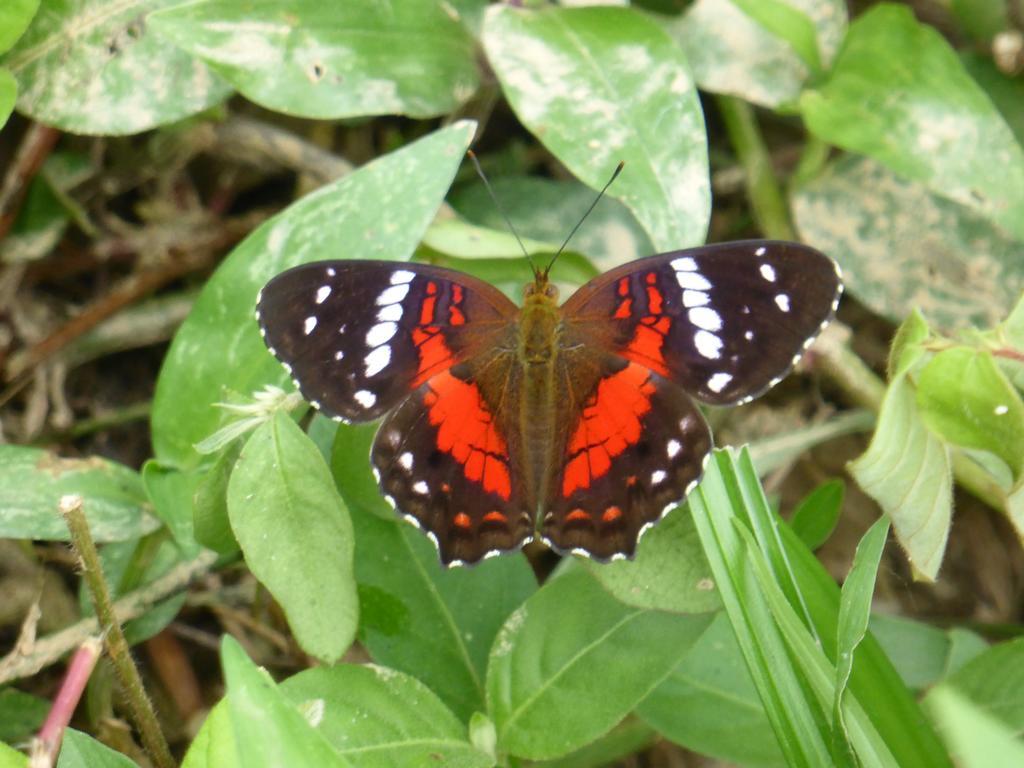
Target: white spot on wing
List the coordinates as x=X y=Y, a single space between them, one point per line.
x=390 y=312
x=381 y=333
x=331 y=272
x=421 y=488
x=377 y=360
x=782 y=300
x=706 y=318
x=693 y=298
x=748 y=335
x=405 y=460
x=392 y=295
x=339 y=355
x=708 y=345
x=693 y=280
x=365 y=398
x=658 y=475
x=760 y=251
x=322 y=293
x=400 y=276
x=309 y=325
x=768 y=272
x=685 y=264
x=673 y=448
x=719 y=381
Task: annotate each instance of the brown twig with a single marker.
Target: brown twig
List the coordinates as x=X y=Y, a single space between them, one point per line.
x=139 y=704
x=35 y=147
x=22 y=663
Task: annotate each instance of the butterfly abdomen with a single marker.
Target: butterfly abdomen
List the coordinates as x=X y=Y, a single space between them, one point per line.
x=538 y=350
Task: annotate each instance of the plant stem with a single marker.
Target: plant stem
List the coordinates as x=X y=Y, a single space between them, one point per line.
x=120 y=654
x=766 y=198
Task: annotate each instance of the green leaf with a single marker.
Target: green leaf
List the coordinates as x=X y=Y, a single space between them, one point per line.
x=377 y=212
x=572 y=655
x=964 y=398
x=546 y=210
x=993 y=681
x=924 y=654
x=816 y=517
x=603 y=85
x=906 y=469
x=670 y=572
x=210 y=504
x=214 y=745
x=79 y=750
x=908 y=345
x=12 y=758
x=899 y=93
x=627 y=738
x=416 y=616
x=330 y=60
x=296 y=535
x=794 y=717
x=709 y=704
x=787 y=23
x=171 y=491
x=94 y=67
x=903 y=247
x=854 y=612
x=976 y=739
x=32 y=482
x=729 y=490
x=15 y=16
x=981 y=19
x=20 y=714
x=8 y=95
x=269 y=730
x=466 y=241
x=381 y=718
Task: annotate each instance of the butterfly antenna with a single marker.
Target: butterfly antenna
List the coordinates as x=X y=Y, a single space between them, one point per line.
x=494 y=197
x=615 y=174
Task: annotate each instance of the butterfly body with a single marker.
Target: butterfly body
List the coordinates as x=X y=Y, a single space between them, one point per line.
x=573 y=421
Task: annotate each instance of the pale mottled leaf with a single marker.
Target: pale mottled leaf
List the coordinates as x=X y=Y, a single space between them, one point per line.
x=94 y=67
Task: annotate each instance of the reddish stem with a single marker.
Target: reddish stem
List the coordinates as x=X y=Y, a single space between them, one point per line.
x=47 y=744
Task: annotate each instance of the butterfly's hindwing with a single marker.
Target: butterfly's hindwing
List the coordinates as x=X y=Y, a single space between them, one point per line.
x=635 y=449
x=359 y=336
x=444 y=460
x=725 y=322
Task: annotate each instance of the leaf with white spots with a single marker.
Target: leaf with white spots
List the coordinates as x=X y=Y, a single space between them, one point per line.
x=330 y=60
x=965 y=399
x=732 y=53
x=902 y=246
x=603 y=661
x=602 y=85
x=32 y=482
x=899 y=93
x=377 y=212
x=95 y=67
x=296 y=535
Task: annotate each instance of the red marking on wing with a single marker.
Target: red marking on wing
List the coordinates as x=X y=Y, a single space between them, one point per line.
x=624 y=310
x=434 y=353
x=427 y=308
x=455 y=316
x=647 y=341
x=610 y=424
x=611 y=514
x=577 y=514
x=623 y=288
x=494 y=516
x=461 y=520
x=465 y=429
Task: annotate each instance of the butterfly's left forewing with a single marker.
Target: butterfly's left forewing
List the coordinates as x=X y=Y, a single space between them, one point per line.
x=359 y=337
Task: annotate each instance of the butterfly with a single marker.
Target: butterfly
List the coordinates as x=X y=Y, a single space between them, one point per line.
x=578 y=421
